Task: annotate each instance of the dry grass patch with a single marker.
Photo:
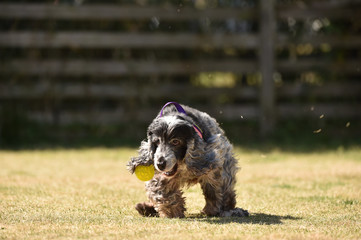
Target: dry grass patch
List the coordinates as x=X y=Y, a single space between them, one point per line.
x=88 y=193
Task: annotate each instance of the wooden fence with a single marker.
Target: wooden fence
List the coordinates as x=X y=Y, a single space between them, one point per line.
x=107 y=63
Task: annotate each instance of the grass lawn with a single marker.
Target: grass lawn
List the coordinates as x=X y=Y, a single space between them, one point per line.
x=88 y=194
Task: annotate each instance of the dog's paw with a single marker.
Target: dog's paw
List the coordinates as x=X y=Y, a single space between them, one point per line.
x=239 y=212
x=236 y=212
x=146 y=209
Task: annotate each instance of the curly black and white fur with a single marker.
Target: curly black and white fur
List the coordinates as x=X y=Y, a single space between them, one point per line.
x=182 y=158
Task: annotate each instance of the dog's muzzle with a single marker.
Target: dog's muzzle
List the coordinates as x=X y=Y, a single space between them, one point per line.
x=162 y=165
x=172 y=172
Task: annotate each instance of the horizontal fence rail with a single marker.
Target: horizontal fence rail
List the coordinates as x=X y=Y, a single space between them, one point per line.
x=126 y=40
x=106 y=68
x=139 y=68
x=109 y=12
x=237 y=113
x=41 y=11
x=122 y=90
x=161 y=40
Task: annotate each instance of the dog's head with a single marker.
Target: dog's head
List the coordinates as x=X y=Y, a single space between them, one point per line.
x=168 y=137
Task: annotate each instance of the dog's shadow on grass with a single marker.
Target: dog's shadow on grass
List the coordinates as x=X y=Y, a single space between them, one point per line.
x=254 y=218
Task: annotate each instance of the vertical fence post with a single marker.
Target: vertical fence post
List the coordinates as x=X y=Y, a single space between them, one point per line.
x=266 y=60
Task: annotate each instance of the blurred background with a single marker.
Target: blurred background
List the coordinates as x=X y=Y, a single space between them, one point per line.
x=96 y=72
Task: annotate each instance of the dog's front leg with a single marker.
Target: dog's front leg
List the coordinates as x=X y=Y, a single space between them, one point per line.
x=146 y=209
x=171 y=206
x=166 y=198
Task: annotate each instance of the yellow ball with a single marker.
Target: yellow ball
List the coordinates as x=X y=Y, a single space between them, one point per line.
x=144 y=173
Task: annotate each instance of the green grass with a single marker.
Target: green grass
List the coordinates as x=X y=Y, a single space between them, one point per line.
x=88 y=194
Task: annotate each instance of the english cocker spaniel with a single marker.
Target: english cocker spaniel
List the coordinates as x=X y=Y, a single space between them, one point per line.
x=187 y=146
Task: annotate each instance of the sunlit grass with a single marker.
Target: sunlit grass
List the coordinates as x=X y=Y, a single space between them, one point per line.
x=87 y=193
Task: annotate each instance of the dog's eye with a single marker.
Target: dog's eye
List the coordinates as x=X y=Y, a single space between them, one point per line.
x=175 y=142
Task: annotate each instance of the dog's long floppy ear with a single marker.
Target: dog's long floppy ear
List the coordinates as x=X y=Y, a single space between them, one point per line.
x=201 y=156
x=145 y=156
x=146 y=150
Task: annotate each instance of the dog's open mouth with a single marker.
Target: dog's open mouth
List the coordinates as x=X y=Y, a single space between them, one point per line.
x=171 y=172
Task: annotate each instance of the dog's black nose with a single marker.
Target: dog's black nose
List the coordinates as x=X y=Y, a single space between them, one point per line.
x=161 y=163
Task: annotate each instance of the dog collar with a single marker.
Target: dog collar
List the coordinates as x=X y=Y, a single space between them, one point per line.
x=181 y=110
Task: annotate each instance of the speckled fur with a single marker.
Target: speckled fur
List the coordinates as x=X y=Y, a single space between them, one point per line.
x=208 y=161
